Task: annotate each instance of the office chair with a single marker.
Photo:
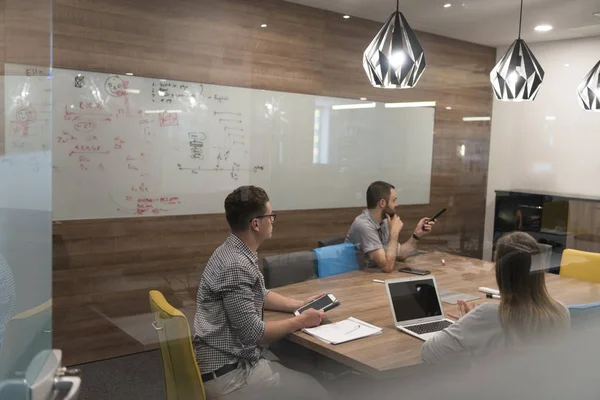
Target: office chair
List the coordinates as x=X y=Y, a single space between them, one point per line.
x=580 y=265
x=331 y=241
x=26 y=334
x=288 y=268
x=182 y=375
x=336 y=259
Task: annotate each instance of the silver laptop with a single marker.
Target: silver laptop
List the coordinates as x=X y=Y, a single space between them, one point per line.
x=416 y=306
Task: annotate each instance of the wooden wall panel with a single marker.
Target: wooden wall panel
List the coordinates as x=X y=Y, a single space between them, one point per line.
x=584 y=226
x=103 y=269
x=25 y=38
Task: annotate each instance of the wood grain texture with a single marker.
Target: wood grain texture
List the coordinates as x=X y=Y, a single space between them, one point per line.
x=384 y=356
x=104 y=267
x=584 y=226
x=25 y=38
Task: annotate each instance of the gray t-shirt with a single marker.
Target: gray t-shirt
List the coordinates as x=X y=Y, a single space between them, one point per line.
x=368 y=235
x=478 y=333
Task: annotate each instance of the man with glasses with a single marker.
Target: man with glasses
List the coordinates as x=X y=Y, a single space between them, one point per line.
x=229 y=327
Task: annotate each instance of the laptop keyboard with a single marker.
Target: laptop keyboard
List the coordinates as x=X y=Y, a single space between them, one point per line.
x=430 y=327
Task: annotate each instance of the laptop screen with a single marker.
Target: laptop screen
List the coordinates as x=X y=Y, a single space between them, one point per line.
x=414 y=299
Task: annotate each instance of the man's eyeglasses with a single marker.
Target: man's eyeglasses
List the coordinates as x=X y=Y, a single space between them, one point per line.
x=272 y=216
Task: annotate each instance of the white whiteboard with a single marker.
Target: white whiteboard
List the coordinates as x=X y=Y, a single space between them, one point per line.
x=132 y=146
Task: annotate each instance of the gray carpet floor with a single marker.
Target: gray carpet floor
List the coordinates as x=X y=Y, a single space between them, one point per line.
x=138 y=376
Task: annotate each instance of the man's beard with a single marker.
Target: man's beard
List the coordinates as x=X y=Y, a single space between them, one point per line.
x=387 y=211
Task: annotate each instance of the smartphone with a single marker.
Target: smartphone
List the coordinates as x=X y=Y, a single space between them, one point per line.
x=414 y=271
x=324 y=303
x=437 y=215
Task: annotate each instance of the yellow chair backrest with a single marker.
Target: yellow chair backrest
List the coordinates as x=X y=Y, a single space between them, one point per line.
x=581 y=265
x=182 y=375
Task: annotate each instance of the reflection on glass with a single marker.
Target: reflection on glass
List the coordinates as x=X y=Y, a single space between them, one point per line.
x=25 y=222
x=411 y=104
x=354 y=106
x=321 y=135
x=317 y=135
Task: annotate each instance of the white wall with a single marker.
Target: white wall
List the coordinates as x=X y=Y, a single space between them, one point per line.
x=549 y=144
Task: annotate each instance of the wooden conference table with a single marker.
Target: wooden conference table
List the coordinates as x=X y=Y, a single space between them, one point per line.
x=385 y=355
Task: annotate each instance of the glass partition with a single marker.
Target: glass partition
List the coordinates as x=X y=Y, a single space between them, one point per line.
x=25 y=193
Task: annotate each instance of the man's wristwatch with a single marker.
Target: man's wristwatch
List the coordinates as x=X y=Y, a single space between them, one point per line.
x=416 y=237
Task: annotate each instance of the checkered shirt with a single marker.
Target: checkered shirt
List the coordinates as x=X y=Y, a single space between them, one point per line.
x=229 y=307
x=7 y=297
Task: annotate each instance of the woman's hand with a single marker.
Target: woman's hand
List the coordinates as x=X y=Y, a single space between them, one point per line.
x=463 y=309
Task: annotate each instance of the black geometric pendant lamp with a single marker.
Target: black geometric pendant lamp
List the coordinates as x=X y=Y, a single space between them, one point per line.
x=395 y=58
x=588 y=92
x=518 y=75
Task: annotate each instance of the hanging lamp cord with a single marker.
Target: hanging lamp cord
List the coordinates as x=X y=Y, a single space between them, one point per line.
x=520 y=19
x=398 y=5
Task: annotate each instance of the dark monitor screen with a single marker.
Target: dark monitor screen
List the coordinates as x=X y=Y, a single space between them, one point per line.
x=518 y=212
x=414 y=299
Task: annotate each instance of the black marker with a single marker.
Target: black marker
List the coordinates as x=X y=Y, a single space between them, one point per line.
x=436 y=216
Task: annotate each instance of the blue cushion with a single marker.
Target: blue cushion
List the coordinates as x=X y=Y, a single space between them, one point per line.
x=585 y=315
x=337 y=259
x=584 y=306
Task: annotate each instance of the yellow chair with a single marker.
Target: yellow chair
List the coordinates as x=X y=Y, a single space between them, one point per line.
x=580 y=265
x=182 y=375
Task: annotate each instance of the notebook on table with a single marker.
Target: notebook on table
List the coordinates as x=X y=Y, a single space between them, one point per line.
x=343 y=331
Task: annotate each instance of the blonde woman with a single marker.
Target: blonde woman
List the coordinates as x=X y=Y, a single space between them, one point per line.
x=526 y=310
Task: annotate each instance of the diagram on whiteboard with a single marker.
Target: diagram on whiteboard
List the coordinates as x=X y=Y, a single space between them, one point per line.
x=231 y=145
x=129 y=146
x=132 y=146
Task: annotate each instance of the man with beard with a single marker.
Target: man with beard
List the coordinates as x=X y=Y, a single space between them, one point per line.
x=376 y=230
